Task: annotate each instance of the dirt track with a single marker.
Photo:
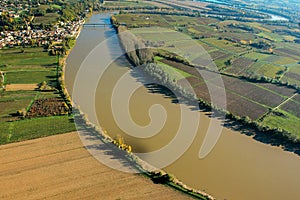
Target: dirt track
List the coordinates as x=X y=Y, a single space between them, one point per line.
x=59 y=167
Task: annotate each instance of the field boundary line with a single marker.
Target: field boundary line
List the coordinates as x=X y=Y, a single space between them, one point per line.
x=285 y=101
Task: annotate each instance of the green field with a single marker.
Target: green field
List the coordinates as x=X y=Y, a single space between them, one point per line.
x=271 y=36
x=35 y=128
x=256 y=55
x=265 y=69
x=30 y=57
x=27 y=77
x=289 y=122
x=175 y=73
x=33 y=66
x=280 y=60
x=293 y=75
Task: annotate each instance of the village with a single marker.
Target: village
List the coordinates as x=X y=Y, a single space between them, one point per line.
x=39 y=37
x=24 y=34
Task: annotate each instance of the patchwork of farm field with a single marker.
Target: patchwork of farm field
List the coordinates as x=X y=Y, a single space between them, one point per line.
x=30 y=79
x=239 y=66
x=293 y=74
x=228 y=45
x=264 y=69
x=243 y=98
x=262 y=64
x=271 y=36
x=224 y=45
x=173 y=41
x=290 y=51
x=228 y=41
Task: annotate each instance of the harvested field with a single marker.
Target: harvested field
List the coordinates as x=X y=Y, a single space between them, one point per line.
x=235 y=85
x=234 y=103
x=224 y=57
x=59 y=167
x=206 y=46
x=192 y=80
x=206 y=94
x=242 y=63
x=251 y=91
x=293 y=75
x=203 y=61
x=15 y=87
x=292 y=107
x=242 y=107
x=216 y=54
x=297 y=98
x=278 y=89
x=288 y=51
x=243 y=97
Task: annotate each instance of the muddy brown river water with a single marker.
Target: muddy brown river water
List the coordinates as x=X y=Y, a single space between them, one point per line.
x=238 y=167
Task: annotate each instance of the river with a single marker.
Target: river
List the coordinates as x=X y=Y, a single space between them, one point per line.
x=238 y=167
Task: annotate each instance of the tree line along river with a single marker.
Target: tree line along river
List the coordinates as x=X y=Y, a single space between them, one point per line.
x=238 y=167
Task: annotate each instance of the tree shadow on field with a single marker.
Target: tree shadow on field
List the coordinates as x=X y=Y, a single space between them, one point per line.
x=52 y=65
x=103 y=149
x=263 y=137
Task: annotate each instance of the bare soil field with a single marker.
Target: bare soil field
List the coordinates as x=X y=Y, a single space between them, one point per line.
x=239 y=65
x=15 y=87
x=59 y=167
x=235 y=104
x=278 y=89
x=291 y=107
x=297 y=97
x=193 y=81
